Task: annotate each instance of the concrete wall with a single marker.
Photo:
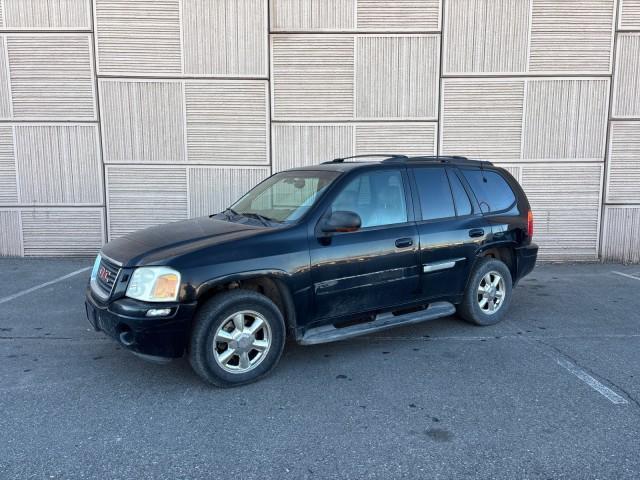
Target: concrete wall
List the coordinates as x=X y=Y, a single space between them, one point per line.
x=121 y=114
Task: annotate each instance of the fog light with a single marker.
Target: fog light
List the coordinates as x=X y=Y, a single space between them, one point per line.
x=158 y=312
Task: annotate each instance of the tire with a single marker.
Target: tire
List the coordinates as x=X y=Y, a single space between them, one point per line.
x=476 y=306
x=223 y=363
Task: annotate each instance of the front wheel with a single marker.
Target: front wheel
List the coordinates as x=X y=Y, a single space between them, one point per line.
x=488 y=294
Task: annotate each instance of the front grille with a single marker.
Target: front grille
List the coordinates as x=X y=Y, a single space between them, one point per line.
x=106 y=276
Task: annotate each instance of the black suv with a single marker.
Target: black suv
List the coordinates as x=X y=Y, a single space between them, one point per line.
x=320 y=253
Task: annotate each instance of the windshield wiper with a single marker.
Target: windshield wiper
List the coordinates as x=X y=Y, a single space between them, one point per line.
x=266 y=221
x=226 y=213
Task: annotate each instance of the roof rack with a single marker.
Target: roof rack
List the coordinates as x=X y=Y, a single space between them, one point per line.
x=386 y=156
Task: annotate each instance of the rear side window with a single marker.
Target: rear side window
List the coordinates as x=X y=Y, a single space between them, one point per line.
x=434 y=192
x=492 y=191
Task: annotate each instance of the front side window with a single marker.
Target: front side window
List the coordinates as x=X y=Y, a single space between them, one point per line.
x=491 y=189
x=377 y=197
x=434 y=192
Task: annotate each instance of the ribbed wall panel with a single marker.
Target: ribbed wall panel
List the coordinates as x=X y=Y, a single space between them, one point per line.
x=308 y=144
x=211 y=189
x=58 y=164
x=51 y=77
x=515 y=170
x=1 y=14
x=5 y=89
x=624 y=163
x=138 y=37
x=47 y=14
x=571 y=36
x=10 y=233
x=482 y=118
x=621 y=239
x=62 y=231
x=142 y=121
x=227 y=122
x=626 y=97
x=565 y=199
x=629 y=15
x=566 y=119
x=399 y=15
x=141 y=197
x=486 y=36
x=8 y=186
x=312 y=15
x=397 y=77
x=408 y=138
x=225 y=37
x=312 y=76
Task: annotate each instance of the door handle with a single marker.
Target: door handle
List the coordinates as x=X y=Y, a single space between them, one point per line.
x=404 y=242
x=476 y=232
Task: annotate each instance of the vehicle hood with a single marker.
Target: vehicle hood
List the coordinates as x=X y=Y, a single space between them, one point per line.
x=157 y=245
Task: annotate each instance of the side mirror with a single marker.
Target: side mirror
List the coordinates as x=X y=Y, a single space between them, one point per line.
x=342 y=221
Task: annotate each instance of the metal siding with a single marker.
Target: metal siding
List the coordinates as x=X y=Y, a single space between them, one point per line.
x=58 y=164
x=205 y=196
x=312 y=15
x=227 y=122
x=51 y=77
x=621 y=239
x=5 y=87
x=62 y=231
x=397 y=77
x=47 y=14
x=142 y=196
x=398 y=15
x=138 y=37
x=629 y=15
x=10 y=233
x=225 y=37
x=142 y=121
x=626 y=97
x=486 y=36
x=407 y=138
x=8 y=182
x=623 y=179
x=1 y=14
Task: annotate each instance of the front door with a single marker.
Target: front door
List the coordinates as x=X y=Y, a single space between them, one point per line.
x=375 y=267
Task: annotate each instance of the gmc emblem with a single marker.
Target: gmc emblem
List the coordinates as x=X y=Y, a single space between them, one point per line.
x=103 y=274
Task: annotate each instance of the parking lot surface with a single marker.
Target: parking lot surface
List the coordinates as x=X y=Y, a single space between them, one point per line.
x=552 y=392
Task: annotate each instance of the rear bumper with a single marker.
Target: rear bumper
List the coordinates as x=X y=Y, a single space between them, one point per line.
x=125 y=321
x=525 y=260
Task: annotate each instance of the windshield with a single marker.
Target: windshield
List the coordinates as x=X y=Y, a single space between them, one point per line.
x=284 y=197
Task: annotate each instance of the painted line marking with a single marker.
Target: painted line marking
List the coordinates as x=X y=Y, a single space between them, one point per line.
x=609 y=394
x=42 y=285
x=626 y=275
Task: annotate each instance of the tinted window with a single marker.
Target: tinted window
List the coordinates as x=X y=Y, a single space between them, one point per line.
x=492 y=191
x=463 y=205
x=434 y=192
x=378 y=197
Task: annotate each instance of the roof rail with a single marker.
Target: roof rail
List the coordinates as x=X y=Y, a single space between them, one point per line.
x=386 y=156
x=441 y=159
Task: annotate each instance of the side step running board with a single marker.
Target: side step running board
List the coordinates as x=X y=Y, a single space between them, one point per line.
x=329 y=333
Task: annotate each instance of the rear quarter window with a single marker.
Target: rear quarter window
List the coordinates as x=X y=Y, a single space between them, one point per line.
x=491 y=189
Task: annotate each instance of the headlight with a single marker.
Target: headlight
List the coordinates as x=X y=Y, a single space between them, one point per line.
x=96 y=266
x=154 y=284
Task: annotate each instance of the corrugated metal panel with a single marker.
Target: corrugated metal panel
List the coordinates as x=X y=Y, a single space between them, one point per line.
x=58 y=164
x=1 y=14
x=227 y=122
x=142 y=121
x=10 y=233
x=8 y=187
x=565 y=199
x=225 y=37
x=482 y=118
x=624 y=163
x=399 y=15
x=211 y=189
x=515 y=170
x=397 y=76
x=629 y=15
x=626 y=97
x=138 y=37
x=484 y=36
x=5 y=89
x=141 y=197
x=47 y=14
x=308 y=144
x=51 y=77
x=571 y=36
x=312 y=15
x=566 y=119
x=62 y=231
x=312 y=76
x=621 y=239
x=408 y=138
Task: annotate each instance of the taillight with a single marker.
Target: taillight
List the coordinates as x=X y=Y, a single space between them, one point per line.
x=530 y=224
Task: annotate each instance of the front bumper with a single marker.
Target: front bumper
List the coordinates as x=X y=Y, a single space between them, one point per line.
x=525 y=260
x=125 y=321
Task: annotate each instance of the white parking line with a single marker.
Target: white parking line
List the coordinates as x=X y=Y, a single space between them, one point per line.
x=627 y=275
x=612 y=396
x=42 y=285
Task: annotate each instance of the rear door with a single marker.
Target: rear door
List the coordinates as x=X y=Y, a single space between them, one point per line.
x=451 y=229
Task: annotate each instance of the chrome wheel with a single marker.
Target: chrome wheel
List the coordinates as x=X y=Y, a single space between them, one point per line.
x=242 y=342
x=491 y=292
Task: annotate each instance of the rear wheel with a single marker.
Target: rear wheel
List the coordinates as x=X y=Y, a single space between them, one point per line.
x=488 y=294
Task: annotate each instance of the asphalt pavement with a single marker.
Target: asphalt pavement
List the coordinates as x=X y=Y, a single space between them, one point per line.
x=550 y=393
